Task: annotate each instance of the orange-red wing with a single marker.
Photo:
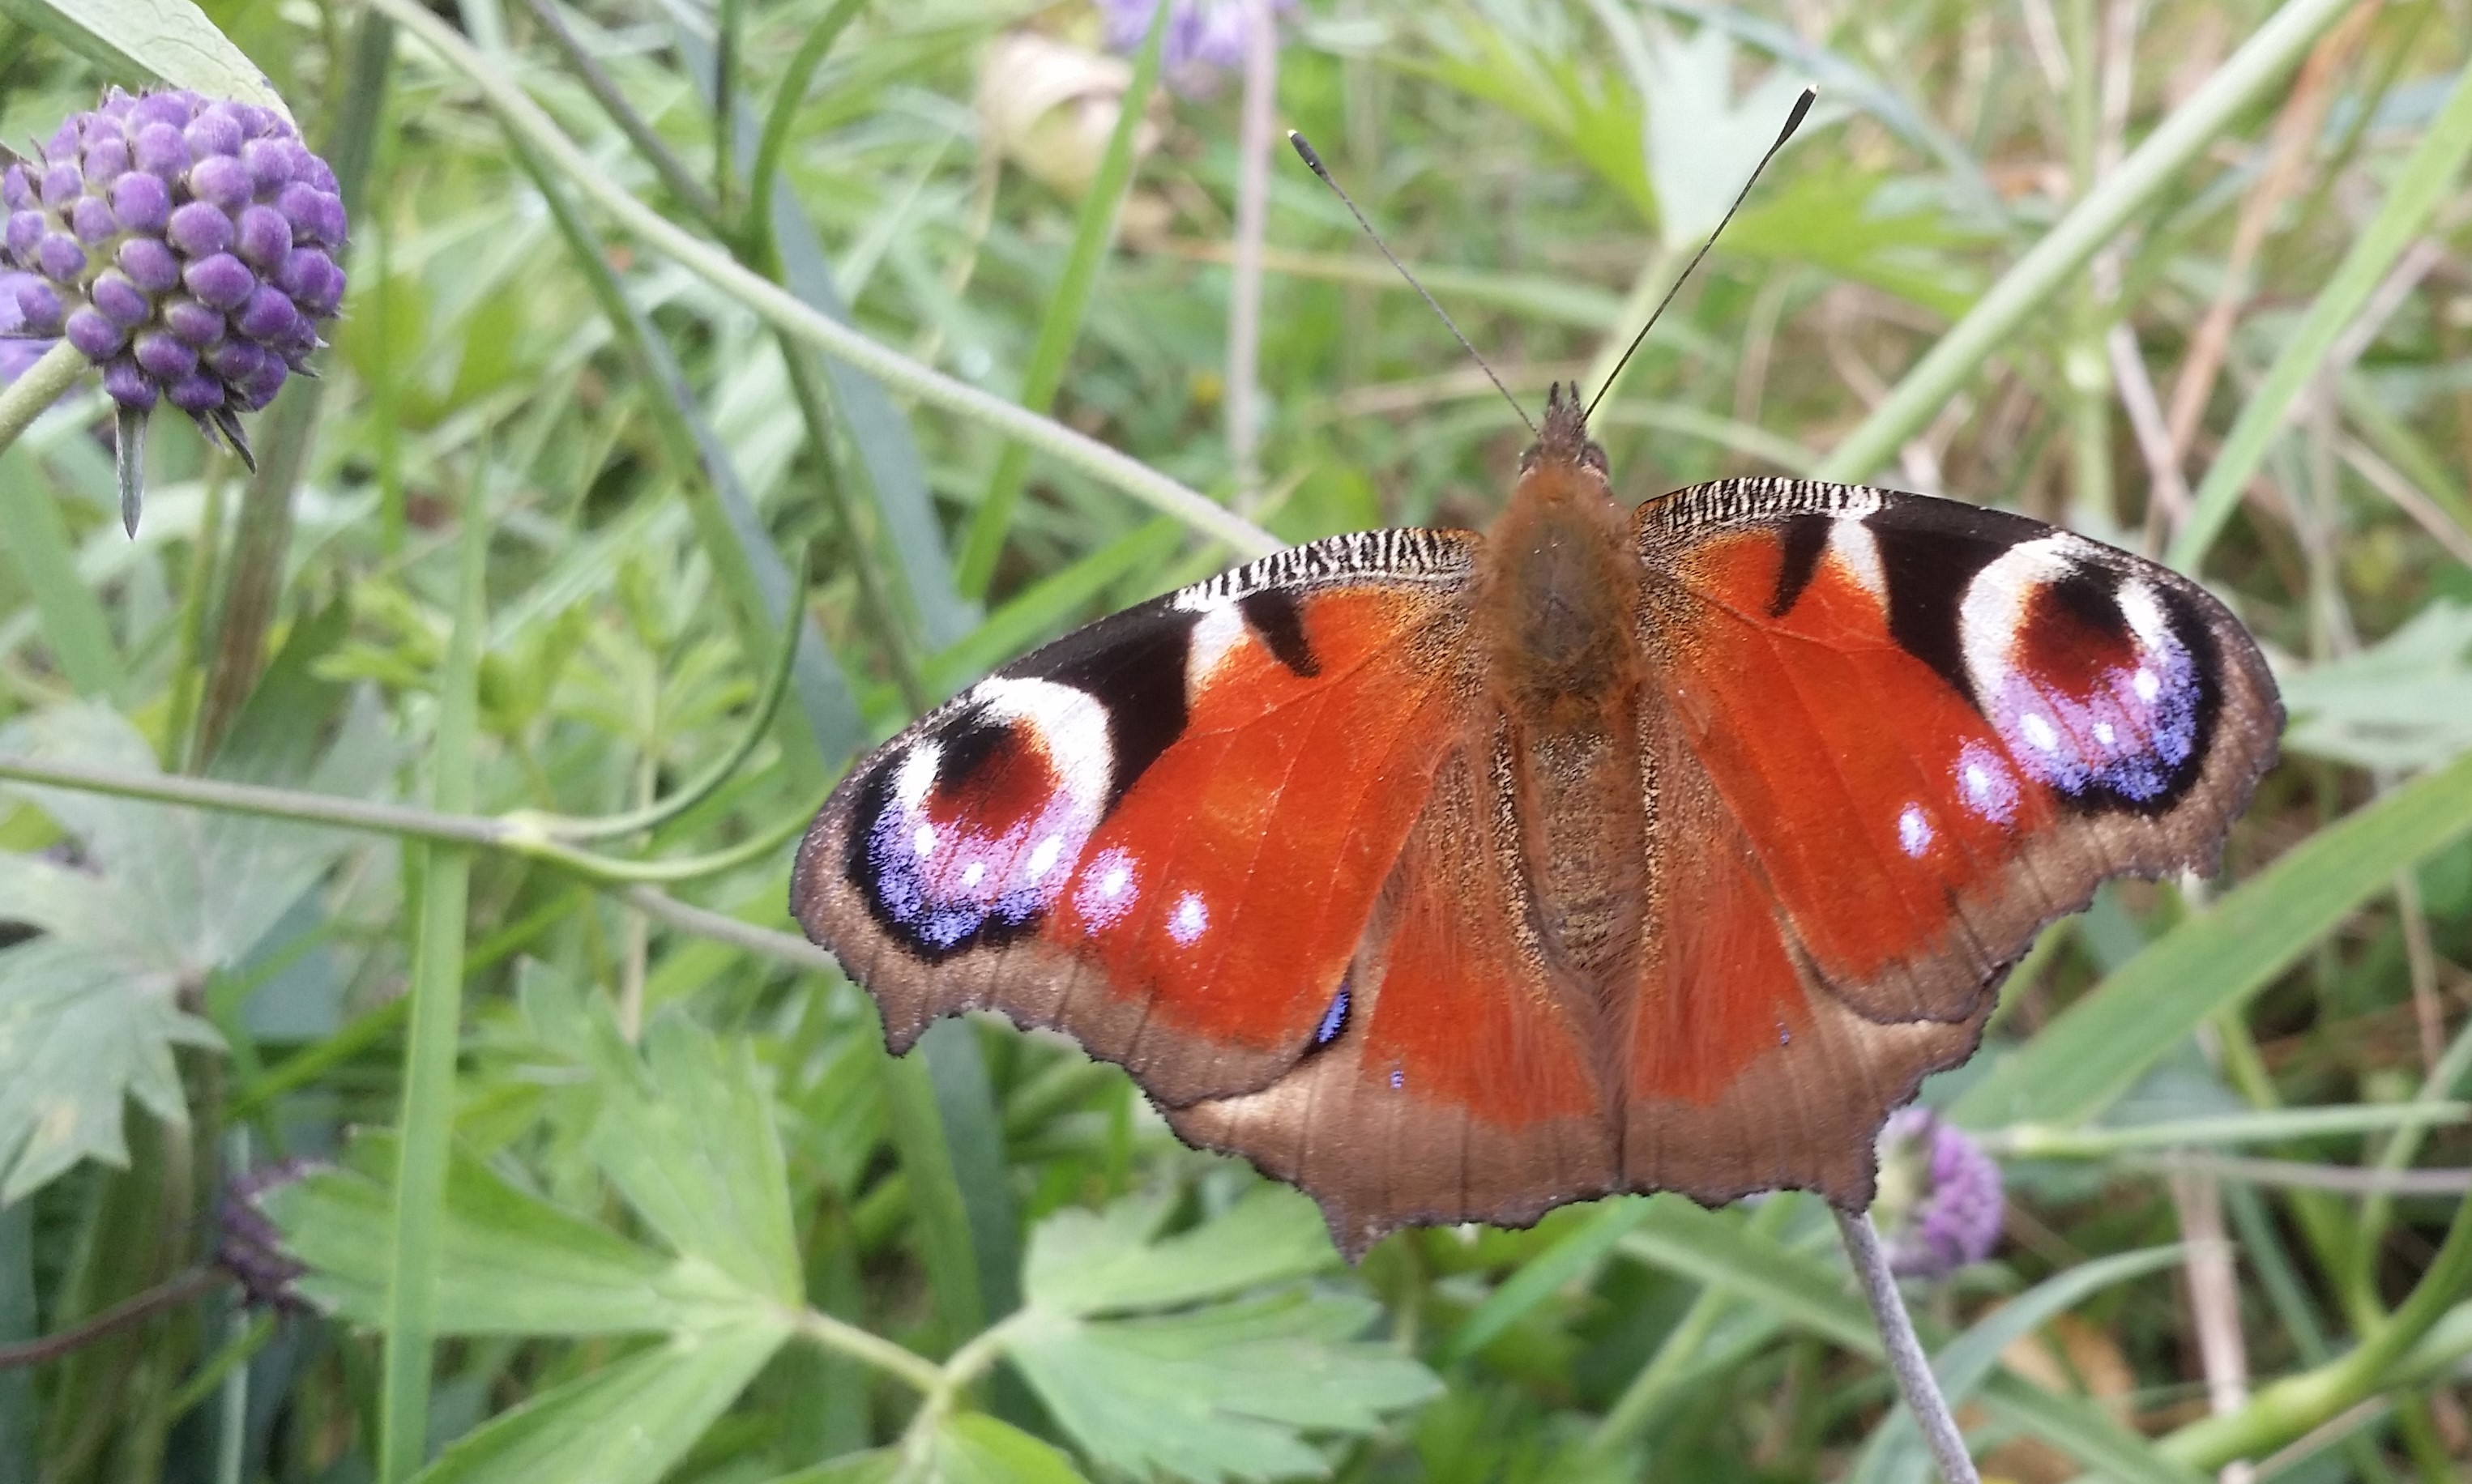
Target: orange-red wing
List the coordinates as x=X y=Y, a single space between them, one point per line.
x=1163 y=834
x=1743 y=1072
x=1939 y=726
x=1463 y=1081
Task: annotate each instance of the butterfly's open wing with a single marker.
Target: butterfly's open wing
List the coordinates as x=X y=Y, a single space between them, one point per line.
x=1465 y=1083
x=1923 y=730
x=1163 y=834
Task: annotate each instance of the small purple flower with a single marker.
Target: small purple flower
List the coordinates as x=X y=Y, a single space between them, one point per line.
x=152 y=228
x=1939 y=1205
x=252 y=1249
x=1204 y=37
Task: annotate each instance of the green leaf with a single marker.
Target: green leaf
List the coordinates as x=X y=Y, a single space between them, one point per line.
x=509 y=1261
x=1222 y=1392
x=2099 y=1047
x=691 y=1142
x=624 y=1424
x=160 y=899
x=1093 y=1262
x=39 y=548
x=141 y=40
x=971 y=1448
x=1216 y=1392
x=1549 y=1270
x=2403 y=704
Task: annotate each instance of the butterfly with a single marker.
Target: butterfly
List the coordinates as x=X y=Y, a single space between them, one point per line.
x=1455 y=877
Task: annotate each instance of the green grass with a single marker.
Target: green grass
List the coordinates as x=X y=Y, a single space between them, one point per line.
x=634 y=455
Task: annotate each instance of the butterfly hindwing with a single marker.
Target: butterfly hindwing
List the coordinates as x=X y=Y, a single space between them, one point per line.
x=1162 y=834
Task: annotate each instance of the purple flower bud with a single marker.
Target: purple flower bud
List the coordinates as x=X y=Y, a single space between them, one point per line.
x=265 y=238
x=213 y=131
x=1940 y=1195
x=195 y=324
x=220 y=180
x=91 y=220
x=321 y=291
x=106 y=158
x=39 y=307
x=251 y=1249
x=142 y=203
x=15 y=194
x=256 y=122
x=119 y=300
x=219 y=280
x=148 y=264
x=163 y=356
x=158 y=149
x=128 y=385
x=174 y=108
x=96 y=337
x=195 y=392
x=61 y=185
x=200 y=230
x=117 y=104
x=26 y=229
x=58 y=258
x=64 y=141
x=258 y=388
x=269 y=316
x=235 y=359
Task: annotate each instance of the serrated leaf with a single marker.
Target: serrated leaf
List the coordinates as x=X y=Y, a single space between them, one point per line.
x=509 y=1262
x=2404 y=704
x=1089 y=1263
x=78 y=1034
x=624 y=1424
x=969 y=1449
x=138 y=41
x=156 y=900
x=1225 y=1392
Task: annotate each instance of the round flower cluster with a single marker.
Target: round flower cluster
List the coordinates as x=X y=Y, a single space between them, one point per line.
x=1940 y=1195
x=184 y=245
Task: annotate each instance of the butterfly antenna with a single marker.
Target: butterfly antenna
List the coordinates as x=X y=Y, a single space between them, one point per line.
x=1314 y=162
x=1792 y=122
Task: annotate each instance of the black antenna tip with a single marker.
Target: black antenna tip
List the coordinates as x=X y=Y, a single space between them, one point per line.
x=1306 y=151
x=1801 y=110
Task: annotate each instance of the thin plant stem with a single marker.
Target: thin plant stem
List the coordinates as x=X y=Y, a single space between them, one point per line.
x=437 y=992
x=171 y=1294
x=756 y=227
x=2143 y=178
x=681 y=181
x=1906 y=1359
x=916 y=1371
x=778 y=307
x=1253 y=146
x=45 y=382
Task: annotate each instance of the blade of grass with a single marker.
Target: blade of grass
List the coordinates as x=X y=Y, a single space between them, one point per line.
x=786 y=312
x=1576 y=1253
x=2423 y=181
x=2141 y=180
x=1093 y=233
x=2099 y=1046
x=38 y=546
x=757 y=231
x=437 y=993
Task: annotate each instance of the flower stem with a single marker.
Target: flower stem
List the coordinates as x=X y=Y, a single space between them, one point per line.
x=1906 y=1358
x=45 y=382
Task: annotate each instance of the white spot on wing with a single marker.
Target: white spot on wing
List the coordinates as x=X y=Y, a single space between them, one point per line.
x=1043 y=857
x=1190 y=920
x=1218 y=629
x=2103 y=734
x=973 y=874
x=1914 y=830
x=2147 y=686
x=2038 y=731
x=923 y=839
x=1851 y=542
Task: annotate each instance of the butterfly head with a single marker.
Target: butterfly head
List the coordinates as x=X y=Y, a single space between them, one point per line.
x=1563 y=439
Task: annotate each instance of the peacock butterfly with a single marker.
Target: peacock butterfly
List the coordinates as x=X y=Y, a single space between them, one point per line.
x=1455 y=877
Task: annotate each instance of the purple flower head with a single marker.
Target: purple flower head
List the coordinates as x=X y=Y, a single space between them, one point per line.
x=252 y=1247
x=1940 y=1204
x=1204 y=37
x=152 y=228
x=21 y=343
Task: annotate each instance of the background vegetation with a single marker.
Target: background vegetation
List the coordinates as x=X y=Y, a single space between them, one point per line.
x=2188 y=277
